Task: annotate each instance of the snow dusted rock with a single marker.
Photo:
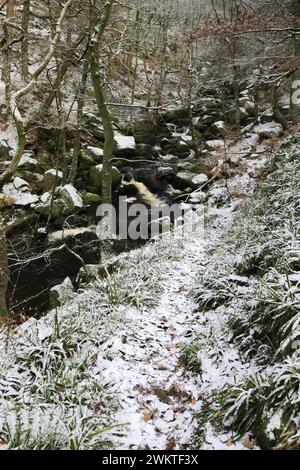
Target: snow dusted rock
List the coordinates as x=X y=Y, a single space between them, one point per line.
x=52 y=178
x=198 y=197
x=25 y=199
x=95 y=152
x=28 y=163
x=199 y=180
x=215 y=144
x=219 y=127
x=267 y=116
x=21 y=198
x=19 y=183
x=96 y=176
x=71 y=197
x=61 y=294
x=125 y=142
x=189 y=178
x=46 y=197
x=269 y=129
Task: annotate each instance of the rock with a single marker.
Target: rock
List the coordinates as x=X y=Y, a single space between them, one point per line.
x=200 y=180
x=61 y=294
x=45 y=197
x=215 y=144
x=198 y=197
x=94 y=126
x=219 y=127
x=52 y=179
x=28 y=163
x=188 y=178
x=267 y=116
x=165 y=171
x=4 y=151
x=125 y=143
x=231 y=115
x=284 y=104
x=250 y=108
x=147 y=131
x=19 y=183
x=95 y=176
x=178 y=116
x=270 y=129
x=23 y=199
x=247 y=129
x=91 y=198
x=96 y=153
x=71 y=197
x=58 y=208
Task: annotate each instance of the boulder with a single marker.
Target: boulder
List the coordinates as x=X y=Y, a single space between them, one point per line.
x=125 y=143
x=190 y=179
x=200 y=180
x=71 y=197
x=215 y=144
x=4 y=151
x=52 y=179
x=250 y=108
x=219 y=127
x=231 y=115
x=96 y=153
x=269 y=129
x=28 y=163
x=23 y=199
x=91 y=198
x=19 y=183
x=198 y=197
x=267 y=116
x=95 y=176
x=58 y=208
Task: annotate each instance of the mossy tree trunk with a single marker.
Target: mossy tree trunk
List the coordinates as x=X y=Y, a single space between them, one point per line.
x=100 y=95
x=4 y=273
x=24 y=44
x=80 y=104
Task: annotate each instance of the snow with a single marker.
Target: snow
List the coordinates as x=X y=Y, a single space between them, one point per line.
x=19 y=183
x=215 y=144
x=27 y=160
x=269 y=129
x=158 y=397
x=125 y=142
x=95 y=151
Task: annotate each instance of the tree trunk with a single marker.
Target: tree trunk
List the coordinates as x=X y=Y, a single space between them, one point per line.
x=24 y=44
x=100 y=95
x=4 y=273
x=8 y=34
x=80 y=104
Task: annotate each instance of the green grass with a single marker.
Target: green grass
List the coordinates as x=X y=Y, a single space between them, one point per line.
x=263 y=317
x=52 y=393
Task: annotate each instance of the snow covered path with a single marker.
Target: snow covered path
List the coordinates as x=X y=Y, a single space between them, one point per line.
x=158 y=397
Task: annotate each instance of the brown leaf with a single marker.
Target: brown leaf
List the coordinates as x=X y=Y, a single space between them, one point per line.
x=171 y=443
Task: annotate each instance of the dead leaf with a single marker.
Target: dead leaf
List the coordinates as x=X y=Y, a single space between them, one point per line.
x=149 y=415
x=171 y=443
x=229 y=443
x=247 y=443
